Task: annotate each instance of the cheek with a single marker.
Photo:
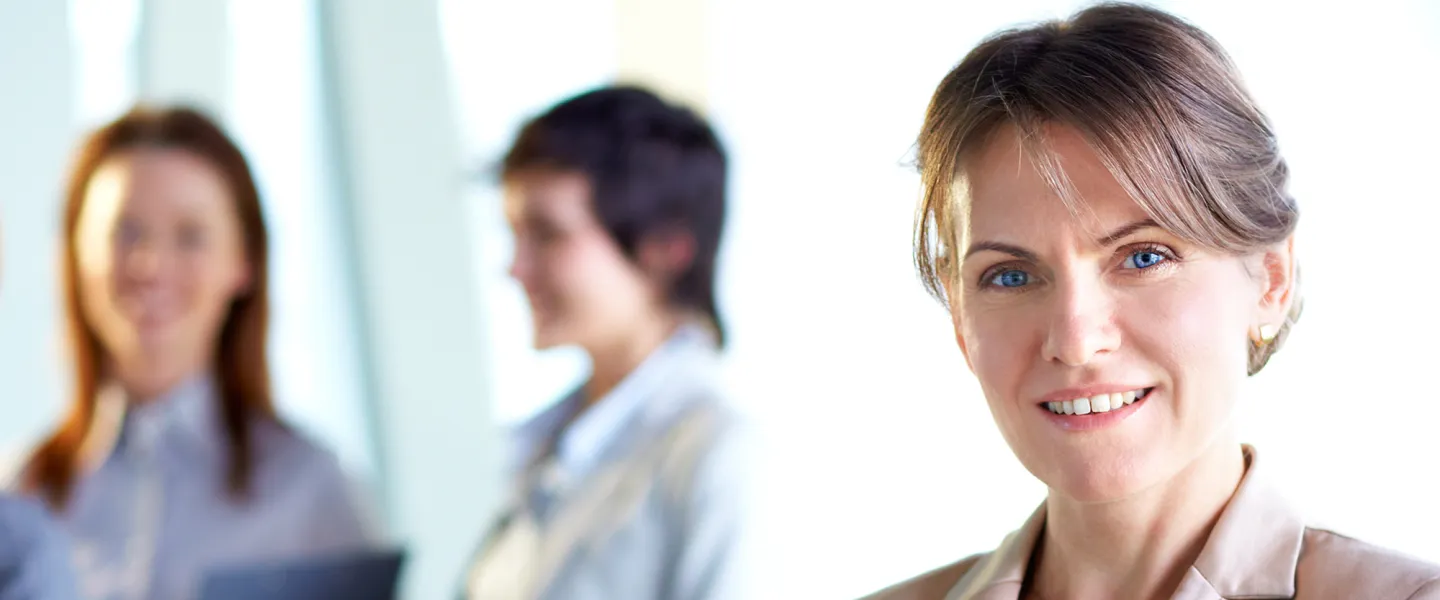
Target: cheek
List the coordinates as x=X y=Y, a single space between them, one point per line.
x=98 y=284
x=1193 y=332
x=594 y=273
x=212 y=278
x=1197 y=320
x=1001 y=343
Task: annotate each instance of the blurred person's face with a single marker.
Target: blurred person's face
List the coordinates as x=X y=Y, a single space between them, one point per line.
x=582 y=288
x=1073 y=311
x=161 y=258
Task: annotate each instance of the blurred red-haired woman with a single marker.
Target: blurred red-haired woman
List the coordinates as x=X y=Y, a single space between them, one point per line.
x=171 y=460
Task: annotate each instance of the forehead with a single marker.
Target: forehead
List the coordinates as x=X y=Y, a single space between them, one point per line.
x=1010 y=192
x=546 y=194
x=148 y=179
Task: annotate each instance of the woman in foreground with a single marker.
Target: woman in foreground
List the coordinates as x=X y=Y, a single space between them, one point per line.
x=1106 y=216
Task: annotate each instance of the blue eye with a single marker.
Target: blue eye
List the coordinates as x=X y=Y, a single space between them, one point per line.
x=1144 y=259
x=192 y=238
x=1010 y=279
x=128 y=234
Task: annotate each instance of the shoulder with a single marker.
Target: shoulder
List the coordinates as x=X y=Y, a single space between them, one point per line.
x=707 y=456
x=312 y=479
x=23 y=519
x=929 y=586
x=287 y=455
x=1330 y=561
x=31 y=540
x=708 y=431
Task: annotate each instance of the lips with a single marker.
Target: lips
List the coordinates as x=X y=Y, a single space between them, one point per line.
x=1096 y=403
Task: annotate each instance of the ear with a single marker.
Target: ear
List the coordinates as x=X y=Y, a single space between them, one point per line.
x=1278 y=285
x=245 y=279
x=664 y=254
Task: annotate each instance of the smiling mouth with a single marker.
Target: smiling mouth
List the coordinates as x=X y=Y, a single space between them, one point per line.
x=1099 y=403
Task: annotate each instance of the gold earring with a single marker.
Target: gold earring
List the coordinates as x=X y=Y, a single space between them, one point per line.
x=1268 y=333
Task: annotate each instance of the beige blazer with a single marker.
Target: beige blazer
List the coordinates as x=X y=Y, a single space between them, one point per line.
x=1260 y=548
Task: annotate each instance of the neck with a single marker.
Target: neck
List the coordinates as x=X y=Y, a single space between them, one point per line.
x=1140 y=546
x=145 y=381
x=612 y=363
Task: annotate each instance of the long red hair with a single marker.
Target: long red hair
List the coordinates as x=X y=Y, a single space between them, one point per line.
x=241 y=369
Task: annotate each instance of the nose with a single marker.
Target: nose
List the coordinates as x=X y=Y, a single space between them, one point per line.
x=520 y=266
x=1083 y=324
x=143 y=261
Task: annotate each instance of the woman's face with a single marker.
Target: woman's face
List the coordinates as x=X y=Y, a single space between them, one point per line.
x=161 y=258
x=582 y=288
x=1071 y=312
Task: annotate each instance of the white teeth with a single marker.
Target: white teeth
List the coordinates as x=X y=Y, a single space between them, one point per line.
x=1098 y=403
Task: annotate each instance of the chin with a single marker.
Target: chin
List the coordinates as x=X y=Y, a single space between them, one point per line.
x=1097 y=479
x=548 y=337
x=160 y=338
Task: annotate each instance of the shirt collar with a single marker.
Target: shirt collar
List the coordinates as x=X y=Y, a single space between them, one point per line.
x=1252 y=552
x=189 y=412
x=633 y=405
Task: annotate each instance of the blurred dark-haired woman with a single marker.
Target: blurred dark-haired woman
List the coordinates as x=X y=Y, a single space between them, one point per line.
x=631 y=485
x=171 y=462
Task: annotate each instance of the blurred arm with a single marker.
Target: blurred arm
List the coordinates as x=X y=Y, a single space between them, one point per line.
x=34 y=554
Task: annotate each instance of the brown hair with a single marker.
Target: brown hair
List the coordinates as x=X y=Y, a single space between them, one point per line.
x=241 y=371
x=1160 y=103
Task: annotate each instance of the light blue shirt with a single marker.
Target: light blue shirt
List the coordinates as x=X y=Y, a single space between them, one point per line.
x=153 y=514
x=643 y=496
x=34 y=556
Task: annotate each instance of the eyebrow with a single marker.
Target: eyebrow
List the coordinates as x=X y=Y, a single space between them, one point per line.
x=1010 y=249
x=1118 y=234
x=1125 y=231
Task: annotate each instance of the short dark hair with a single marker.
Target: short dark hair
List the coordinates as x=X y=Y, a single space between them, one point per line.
x=651 y=165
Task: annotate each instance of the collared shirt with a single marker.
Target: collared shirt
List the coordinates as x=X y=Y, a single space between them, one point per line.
x=641 y=496
x=152 y=514
x=34 y=555
x=1259 y=549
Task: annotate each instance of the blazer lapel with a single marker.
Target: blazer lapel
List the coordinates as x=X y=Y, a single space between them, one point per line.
x=1195 y=587
x=1000 y=575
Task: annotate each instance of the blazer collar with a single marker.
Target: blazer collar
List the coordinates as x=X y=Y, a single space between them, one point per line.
x=1252 y=552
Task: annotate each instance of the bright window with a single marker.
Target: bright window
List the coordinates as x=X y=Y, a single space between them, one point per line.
x=276 y=112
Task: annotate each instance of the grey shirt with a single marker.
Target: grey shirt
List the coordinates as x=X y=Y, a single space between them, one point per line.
x=152 y=514
x=34 y=555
